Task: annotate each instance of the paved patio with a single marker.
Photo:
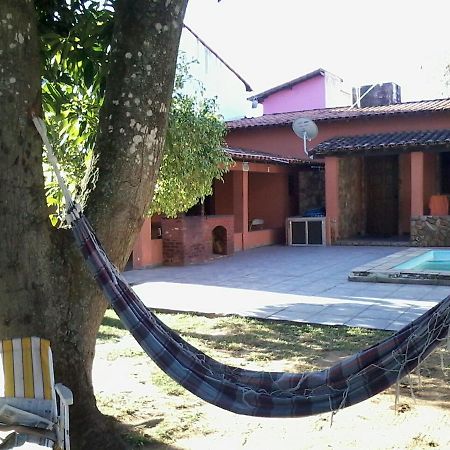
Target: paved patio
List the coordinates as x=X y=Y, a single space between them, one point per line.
x=298 y=284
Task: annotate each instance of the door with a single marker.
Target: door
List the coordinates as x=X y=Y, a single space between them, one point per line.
x=382 y=184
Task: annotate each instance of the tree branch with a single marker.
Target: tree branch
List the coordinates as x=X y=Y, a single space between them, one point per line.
x=133 y=120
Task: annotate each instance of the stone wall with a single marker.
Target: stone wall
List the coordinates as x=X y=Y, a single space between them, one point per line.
x=351 y=197
x=311 y=190
x=189 y=239
x=430 y=231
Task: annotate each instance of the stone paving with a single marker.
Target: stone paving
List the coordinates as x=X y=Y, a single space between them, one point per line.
x=298 y=284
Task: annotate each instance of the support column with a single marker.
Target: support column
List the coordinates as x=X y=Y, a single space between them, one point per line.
x=240 y=206
x=332 y=197
x=417 y=183
x=244 y=210
x=142 y=247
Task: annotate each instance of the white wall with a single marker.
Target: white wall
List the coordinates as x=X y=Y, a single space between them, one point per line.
x=218 y=80
x=337 y=94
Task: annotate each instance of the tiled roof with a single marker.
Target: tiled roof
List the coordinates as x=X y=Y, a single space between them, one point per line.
x=398 y=141
x=342 y=113
x=242 y=154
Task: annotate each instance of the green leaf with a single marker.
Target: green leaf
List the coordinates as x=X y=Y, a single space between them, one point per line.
x=88 y=73
x=75 y=44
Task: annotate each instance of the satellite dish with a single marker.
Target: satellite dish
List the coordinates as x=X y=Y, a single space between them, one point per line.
x=304 y=127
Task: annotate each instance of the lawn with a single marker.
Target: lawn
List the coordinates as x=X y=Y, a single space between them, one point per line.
x=157 y=413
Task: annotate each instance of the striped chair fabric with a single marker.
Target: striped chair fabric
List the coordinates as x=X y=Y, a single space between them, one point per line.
x=27 y=368
x=27 y=386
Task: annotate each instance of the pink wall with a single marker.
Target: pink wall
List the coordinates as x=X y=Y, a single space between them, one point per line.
x=309 y=94
x=425 y=179
x=264 y=237
x=282 y=140
x=223 y=195
x=332 y=197
x=275 y=140
x=268 y=198
x=258 y=238
x=228 y=197
x=240 y=200
x=430 y=179
x=147 y=251
x=249 y=190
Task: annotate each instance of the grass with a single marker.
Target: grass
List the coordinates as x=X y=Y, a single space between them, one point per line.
x=254 y=342
x=262 y=345
x=111 y=329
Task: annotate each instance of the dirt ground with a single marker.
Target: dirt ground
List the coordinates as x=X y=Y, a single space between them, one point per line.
x=166 y=417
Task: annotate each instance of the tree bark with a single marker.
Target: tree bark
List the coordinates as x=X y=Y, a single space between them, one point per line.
x=44 y=287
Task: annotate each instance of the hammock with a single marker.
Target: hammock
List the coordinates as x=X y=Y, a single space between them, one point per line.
x=248 y=392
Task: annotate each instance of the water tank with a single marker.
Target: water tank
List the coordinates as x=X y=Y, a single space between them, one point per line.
x=377 y=95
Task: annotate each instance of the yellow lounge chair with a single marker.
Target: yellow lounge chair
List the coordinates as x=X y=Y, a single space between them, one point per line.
x=29 y=411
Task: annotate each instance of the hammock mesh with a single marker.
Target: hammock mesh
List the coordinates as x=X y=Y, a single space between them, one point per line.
x=259 y=393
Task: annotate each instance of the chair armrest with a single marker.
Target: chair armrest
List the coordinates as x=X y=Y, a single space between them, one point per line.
x=65 y=400
x=65 y=394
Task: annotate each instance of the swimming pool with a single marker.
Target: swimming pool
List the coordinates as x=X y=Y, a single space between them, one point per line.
x=433 y=260
x=412 y=265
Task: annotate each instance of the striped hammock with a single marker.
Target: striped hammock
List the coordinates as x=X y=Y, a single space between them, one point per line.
x=264 y=394
x=248 y=392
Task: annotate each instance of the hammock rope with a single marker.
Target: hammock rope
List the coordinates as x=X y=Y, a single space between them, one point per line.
x=42 y=130
x=259 y=393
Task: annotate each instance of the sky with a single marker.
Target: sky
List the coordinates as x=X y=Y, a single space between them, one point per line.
x=269 y=42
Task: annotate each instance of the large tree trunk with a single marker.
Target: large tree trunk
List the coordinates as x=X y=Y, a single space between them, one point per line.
x=44 y=287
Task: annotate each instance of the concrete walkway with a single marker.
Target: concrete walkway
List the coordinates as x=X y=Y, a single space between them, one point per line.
x=299 y=284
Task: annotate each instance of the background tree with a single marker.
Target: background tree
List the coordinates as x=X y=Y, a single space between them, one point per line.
x=194 y=154
x=76 y=56
x=44 y=288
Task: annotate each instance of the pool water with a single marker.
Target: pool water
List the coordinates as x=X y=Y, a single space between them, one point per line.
x=434 y=260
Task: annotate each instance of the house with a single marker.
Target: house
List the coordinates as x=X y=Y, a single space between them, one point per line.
x=317 y=89
x=249 y=207
x=390 y=177
x=386 y=163
x=380 y=168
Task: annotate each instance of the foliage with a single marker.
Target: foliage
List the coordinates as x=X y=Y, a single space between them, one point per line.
x=74 y=38
x=193 y=156
x=75 y=42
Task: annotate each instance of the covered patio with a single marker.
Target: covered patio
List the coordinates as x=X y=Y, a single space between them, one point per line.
x=261 y=191
x=388 y=186
x=247 y=209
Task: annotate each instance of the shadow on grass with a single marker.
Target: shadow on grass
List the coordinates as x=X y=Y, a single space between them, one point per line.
x=111 y=329
x=113 y=322
x=309 y=347
x=136 y=435
x=257 y=340
x=280 y=340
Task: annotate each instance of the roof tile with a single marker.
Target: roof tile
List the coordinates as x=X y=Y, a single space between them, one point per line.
x=398 y=141
x=341 y=113
x=242 y=154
